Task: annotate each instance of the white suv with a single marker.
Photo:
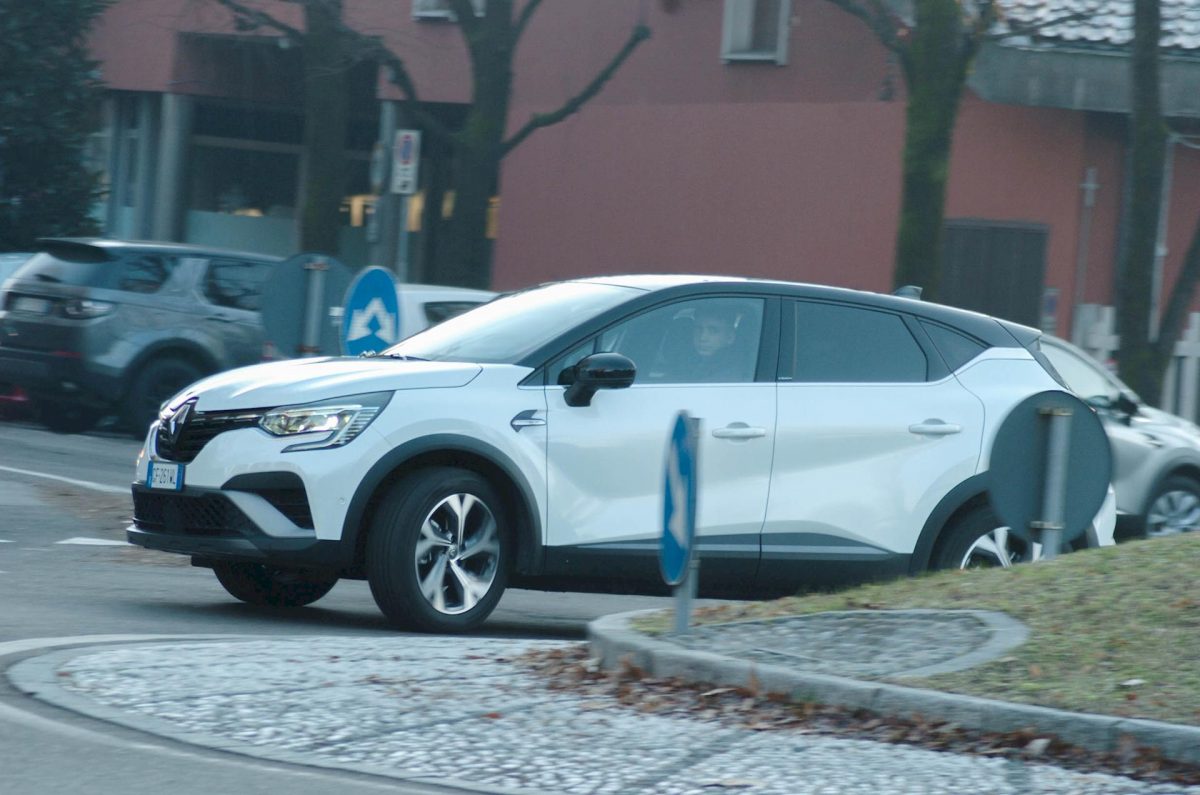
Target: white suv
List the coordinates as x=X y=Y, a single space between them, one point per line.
x=845 y=435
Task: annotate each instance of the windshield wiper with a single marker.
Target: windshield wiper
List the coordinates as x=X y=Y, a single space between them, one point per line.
x=404 y=358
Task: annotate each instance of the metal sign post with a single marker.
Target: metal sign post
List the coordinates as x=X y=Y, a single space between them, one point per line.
x=406 y=159
x=1054 y=497
x=677 y=563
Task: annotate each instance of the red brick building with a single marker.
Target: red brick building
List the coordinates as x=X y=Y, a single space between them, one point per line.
x=752 y=137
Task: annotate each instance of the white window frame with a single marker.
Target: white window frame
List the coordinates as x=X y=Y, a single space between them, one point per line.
x=737 y=24
x=440 y=9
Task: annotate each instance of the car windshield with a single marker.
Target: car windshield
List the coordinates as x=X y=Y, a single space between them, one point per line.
x=513 y=326
x=1086 y=378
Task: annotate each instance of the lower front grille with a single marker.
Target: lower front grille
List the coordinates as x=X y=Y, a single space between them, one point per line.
x=212 y=515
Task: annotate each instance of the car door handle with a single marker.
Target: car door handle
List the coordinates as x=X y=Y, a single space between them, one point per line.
x=739 y=430
x=934 y=428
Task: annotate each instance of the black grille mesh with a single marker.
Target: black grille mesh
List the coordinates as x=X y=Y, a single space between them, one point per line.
x=189 y=514
x=199 y=429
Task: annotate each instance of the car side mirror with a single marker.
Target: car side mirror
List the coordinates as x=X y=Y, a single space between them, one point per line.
x=1126 y=406
x=599 y=371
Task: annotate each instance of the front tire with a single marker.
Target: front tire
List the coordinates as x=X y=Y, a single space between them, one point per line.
x=977 y=539
x=257 y=584
x=157 y=381
x=1174 y=508
x=438 y=551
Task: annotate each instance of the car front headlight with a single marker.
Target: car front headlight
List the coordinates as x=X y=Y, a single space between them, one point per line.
x=338 y=421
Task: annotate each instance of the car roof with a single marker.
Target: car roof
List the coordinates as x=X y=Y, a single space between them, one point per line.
x=157 y=246
x=962 y=319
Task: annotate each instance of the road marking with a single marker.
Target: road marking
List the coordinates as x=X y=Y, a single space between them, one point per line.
x=5 y=541
x=93 y=542
x=85 y=484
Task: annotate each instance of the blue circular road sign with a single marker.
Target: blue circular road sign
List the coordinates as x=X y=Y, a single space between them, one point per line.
x=371 y=314
x=679 y=502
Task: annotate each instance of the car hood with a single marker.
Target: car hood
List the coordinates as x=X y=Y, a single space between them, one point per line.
x=1154 y=420
x=306 y=380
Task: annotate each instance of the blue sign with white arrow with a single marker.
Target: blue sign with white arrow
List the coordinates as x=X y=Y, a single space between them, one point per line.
x=679 y=501
x=371 y=314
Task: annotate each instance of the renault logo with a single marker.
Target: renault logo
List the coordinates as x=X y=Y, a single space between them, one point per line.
x=178 y=421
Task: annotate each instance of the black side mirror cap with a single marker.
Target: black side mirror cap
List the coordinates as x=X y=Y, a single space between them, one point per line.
x=599 y=371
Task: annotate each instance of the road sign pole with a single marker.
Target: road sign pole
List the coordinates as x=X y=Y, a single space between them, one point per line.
x=402 y=240
x=314 y=308
x=1053 y=498
x=685 y=595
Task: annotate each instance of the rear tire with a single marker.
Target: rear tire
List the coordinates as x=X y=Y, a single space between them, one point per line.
x=157 y=381
x=976 y=538
x=257 y=584
x=438 y=551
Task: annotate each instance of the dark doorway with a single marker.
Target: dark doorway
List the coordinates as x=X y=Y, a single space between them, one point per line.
x=995 y=267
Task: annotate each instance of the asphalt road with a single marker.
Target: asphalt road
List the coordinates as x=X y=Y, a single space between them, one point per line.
x=66 y=573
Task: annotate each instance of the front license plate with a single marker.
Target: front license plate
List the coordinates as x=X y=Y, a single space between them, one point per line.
x=34 y=306
x=165 y=476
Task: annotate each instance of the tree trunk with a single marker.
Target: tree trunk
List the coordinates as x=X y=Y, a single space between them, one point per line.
x=1142 y=363
x=934 y=76
x=465 y=258
x=325 y=114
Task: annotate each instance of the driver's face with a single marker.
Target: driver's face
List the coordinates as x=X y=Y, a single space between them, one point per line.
x=711 y=335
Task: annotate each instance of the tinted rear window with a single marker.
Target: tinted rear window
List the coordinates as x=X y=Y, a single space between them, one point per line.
x=957 y=349
x=88 y=266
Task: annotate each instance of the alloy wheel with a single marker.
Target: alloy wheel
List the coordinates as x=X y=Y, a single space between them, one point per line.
x=457 y=554
x=1000 y=548
x=1173 y=512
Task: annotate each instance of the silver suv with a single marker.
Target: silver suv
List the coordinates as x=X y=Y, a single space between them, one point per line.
x=93 y=327
x=1156 y=455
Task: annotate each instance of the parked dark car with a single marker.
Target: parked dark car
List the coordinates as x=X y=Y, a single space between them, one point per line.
x=93 y=327
x=13 y=400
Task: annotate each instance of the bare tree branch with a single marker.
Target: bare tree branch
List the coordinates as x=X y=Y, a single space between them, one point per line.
x=1034 y=27
x=523 y=19
x=257 y=18
x=464 y=14
x=983 y=22
x=538 y=120
x=879 y=19
x=398 y=76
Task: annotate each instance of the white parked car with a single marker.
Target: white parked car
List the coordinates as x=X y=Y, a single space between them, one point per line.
x=845 y=436
x=1156 y=455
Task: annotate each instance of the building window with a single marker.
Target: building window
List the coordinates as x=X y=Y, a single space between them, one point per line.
x=756 y=30
x=440 y=9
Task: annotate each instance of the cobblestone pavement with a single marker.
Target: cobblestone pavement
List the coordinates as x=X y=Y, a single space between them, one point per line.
x=464 y=712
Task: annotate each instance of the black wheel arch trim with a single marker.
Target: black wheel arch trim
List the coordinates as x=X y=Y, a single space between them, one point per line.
x=530 y=557
x=973 y=490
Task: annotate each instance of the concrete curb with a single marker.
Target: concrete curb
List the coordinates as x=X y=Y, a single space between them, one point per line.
x=612 y=640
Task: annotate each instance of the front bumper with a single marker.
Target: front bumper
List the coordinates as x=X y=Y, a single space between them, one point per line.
x=207 y=524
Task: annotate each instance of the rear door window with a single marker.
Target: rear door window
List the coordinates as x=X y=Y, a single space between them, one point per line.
x=143 y=273
x=236 y=283
x=838 y=343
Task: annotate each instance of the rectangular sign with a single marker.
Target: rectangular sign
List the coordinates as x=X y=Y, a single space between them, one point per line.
x=406 y=156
